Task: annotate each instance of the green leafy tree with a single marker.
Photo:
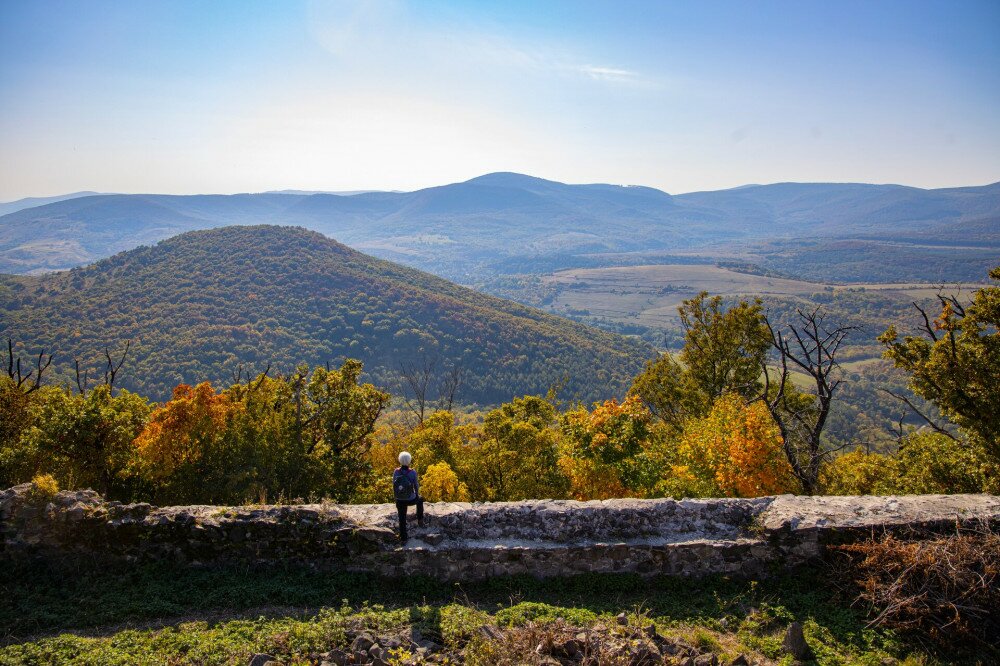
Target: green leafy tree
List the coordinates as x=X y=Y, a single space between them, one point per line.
x=723 y=353
x=87 y=439
x=335 y=420
x=435 y=439
x=20 y=393
x=955 y=363
x=926 y=462
x=517 y=455
x=612 y=438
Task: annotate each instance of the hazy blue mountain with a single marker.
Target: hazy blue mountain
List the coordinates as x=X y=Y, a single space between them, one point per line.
x=848 y=209
x=454 y=230
x=31 y=202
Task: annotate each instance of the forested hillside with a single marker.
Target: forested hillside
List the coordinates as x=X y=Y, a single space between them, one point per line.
x=199 y=306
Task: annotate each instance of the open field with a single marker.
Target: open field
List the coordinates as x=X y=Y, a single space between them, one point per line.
x=650 y=295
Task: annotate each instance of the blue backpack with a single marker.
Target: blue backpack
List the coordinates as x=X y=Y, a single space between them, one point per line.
x=402 y=485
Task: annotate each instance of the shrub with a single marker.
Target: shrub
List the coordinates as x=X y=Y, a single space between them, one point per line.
x=43 y=488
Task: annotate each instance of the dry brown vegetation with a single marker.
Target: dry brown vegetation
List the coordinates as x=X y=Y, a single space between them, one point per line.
x=944 y=589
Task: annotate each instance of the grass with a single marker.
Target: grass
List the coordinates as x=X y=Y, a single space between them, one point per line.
x=132 y=615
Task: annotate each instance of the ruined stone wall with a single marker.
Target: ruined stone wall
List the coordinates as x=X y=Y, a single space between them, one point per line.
x=462 y=541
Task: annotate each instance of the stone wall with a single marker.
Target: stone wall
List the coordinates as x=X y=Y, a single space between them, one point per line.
x=462 y=541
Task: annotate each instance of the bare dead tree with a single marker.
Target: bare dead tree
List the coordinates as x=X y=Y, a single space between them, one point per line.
x=20 y=378
x=416 y=384
x=812 y=347
x=253 y=380
x=112 y=368
x=260 y=379
x=82 y=379
x=449 y=385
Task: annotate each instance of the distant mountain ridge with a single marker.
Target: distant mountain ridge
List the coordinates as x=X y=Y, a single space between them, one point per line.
x=31 y=202
x=453 y=229
x=197 y=306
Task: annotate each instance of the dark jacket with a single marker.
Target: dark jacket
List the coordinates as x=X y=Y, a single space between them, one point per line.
x=411 y=474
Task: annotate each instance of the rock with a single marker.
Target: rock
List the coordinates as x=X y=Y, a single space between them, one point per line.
x=335 y=658
x=740 y=660
x=261 y=659
x=376 y=651
x=670 y=647
x=432 y=539
x=643 y=655
x=650 y=631
x=569 y=648
x=362 y=643
x=621 y=619
x=706 y=660
x=795 y=642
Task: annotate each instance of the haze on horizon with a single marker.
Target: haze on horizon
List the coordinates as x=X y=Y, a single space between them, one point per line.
x=191 y=97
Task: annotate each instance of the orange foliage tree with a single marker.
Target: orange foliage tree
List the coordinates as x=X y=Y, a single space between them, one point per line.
x=179 y=432
x=734 y=451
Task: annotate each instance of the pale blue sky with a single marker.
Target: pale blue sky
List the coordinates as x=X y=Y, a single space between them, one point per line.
x=182 y=97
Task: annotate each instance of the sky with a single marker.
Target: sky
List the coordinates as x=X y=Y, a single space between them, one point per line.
x=182 y=96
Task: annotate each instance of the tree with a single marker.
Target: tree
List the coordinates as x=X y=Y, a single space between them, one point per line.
x=179 y=432
x=271 y=437
x=723 y=353
x=88 y=438
x=19 y=398
x=177 y=446
x=927 y=462
x=22 y=378
x=812 y=348
x=416 y=379
x=517 y=454
x=733 y=451
x=435 y=440
x=439 y=483
x=608 y=445
x=955 y=363
x=335 y=418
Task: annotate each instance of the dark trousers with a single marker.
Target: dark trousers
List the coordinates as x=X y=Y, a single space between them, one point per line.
x=401 y=509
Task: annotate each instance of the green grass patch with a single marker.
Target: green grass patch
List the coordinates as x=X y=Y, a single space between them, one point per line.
x=121 y=614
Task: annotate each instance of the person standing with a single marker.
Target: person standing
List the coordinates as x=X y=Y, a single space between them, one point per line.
x=406 y=490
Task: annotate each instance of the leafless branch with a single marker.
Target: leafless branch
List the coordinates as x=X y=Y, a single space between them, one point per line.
x=112 y=368
x=21 y=379
x=916 y=410
x=82 y=382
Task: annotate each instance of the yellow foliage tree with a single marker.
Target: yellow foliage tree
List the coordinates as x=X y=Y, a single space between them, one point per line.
x=604 y=452
x=592 y=480
x=734 y=451
x=440 y=484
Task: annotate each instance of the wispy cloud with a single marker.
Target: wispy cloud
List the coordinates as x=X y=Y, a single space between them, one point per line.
x=380 y=31
x=611 y=74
